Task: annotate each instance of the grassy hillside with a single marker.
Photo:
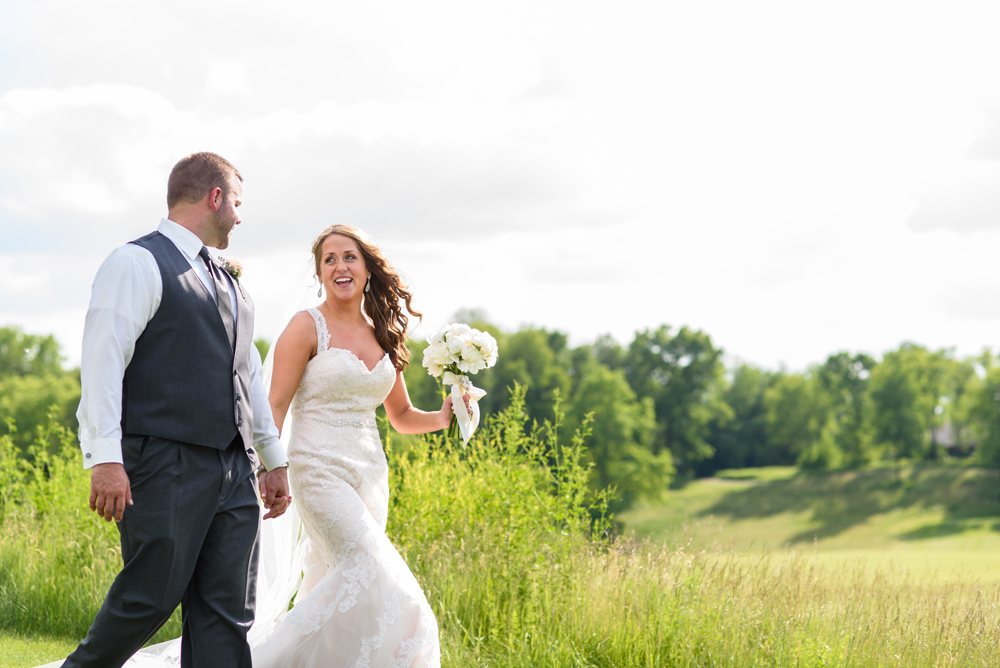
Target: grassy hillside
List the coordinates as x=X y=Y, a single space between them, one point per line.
x=940 y=521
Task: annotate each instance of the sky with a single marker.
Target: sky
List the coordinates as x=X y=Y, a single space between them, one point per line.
x=793 y=178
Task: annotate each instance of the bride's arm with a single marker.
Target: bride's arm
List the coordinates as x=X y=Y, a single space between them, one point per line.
x=293 y=349
x=406 y=419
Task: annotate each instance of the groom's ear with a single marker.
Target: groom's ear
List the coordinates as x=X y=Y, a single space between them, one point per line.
x=215 y=198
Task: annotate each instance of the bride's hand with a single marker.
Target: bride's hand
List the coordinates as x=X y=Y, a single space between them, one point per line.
x=273 y=487
x=447 y=410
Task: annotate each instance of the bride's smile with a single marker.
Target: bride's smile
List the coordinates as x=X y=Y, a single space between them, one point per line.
x=344 y=271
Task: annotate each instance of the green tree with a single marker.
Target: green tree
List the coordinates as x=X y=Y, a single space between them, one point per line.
x=957 y=411
x=739 y=437
x=607 y=351
x=622 y=431
x=28 y=354
x=680 y=373
x=33 y=384
x=843 y=386
x=907 y=389
x=426 y=391
x=27 y=402
x=985 y=410
x=536 y=358
x=795 y=419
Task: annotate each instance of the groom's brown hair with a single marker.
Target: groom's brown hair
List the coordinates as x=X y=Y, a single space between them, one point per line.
x=194 y=176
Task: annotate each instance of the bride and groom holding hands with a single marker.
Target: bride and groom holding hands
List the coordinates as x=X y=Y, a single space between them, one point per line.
x=182 y=436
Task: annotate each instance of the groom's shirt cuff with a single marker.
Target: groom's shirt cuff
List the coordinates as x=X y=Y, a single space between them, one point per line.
x=271 y=453
x=101 y=451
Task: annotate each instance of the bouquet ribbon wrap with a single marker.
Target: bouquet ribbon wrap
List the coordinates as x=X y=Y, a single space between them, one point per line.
x=460 y=385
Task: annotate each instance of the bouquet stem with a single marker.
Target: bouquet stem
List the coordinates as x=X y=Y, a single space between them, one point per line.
x=453 y=427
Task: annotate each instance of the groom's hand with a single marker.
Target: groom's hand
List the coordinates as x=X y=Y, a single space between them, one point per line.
x=274 y=492
x=109 y=491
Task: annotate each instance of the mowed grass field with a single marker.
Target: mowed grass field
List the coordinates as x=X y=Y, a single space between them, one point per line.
x=19 y=650
x=936 y=523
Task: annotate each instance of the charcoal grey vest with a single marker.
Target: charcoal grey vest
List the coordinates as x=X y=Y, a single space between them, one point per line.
x=184 y=381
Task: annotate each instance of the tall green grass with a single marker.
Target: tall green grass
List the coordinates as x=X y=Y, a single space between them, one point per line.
x=502 y=538
x=57 y=559
x=516 y=559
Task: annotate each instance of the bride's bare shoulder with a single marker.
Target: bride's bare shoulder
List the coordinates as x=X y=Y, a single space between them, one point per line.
x=300 y=332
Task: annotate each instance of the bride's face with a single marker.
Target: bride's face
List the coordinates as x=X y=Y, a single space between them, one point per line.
x=343 y=267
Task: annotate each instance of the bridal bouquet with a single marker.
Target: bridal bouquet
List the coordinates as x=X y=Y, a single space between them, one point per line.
x=454 y=353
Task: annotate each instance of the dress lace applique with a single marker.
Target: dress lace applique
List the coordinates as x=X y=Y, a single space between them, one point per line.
x=322 y=333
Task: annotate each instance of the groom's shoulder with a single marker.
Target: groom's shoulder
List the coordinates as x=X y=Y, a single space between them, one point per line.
x=145 y=239
x=140 y=249
x=128 y=255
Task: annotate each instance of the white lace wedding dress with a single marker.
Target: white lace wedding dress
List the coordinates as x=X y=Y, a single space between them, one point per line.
x=359 y=605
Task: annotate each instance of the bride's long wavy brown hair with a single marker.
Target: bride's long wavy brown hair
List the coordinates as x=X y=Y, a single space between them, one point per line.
x=383 y=303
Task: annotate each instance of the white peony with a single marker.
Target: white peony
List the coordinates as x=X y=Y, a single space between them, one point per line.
x=433 y=369
x=436 y=358
x=460 y=349
x=487 y=346
x=458 y=329
x=455 y=344
x=440 y=354
x=471 y=352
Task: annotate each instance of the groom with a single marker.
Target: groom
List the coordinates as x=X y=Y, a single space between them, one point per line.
x=172 y=408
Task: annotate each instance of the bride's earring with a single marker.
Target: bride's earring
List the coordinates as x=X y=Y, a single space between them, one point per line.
x=319 y=292
x=368 y=284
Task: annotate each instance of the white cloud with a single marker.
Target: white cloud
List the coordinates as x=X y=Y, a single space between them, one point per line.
x=783 y=176
x=963 y=199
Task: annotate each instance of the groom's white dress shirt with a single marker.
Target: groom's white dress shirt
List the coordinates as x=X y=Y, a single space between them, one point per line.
x=126 y=294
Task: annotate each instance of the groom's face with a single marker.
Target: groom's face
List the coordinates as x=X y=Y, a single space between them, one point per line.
x=227 y=217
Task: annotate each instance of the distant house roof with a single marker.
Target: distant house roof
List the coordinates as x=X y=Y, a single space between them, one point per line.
x=946 y=435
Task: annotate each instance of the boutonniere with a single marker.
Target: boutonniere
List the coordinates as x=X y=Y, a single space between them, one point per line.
x=232 y=266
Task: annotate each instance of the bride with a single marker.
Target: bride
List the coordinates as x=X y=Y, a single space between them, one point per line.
x=358 y=603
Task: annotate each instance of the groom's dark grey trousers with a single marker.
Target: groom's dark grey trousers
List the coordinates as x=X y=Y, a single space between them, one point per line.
x=190 y=538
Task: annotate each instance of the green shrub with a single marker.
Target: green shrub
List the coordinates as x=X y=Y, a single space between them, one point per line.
x=489 y=527
x=56 y=557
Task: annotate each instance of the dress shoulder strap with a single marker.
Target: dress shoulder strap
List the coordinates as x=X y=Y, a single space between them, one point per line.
x=322 y=333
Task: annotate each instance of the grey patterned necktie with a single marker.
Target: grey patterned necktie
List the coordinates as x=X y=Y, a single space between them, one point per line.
x=221 y=296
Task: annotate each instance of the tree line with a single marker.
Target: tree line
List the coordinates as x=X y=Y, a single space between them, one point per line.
x=664 y=407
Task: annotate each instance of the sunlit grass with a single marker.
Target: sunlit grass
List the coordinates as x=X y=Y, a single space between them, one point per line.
x=23 y=651
x=503 y=539
x=936 y=508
